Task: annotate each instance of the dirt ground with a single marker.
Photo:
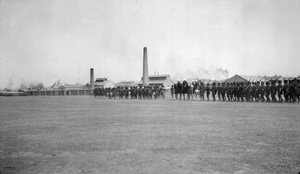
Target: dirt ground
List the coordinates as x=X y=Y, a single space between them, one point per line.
x=86 y=135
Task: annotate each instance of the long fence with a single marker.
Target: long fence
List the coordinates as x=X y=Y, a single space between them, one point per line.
x=59 y=92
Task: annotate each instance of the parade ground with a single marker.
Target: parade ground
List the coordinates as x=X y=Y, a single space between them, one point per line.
x=79 y=134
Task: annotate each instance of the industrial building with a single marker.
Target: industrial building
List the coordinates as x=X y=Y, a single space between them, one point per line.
x=159 y=80
x=104 y=83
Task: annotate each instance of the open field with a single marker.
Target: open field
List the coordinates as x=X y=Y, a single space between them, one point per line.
x=86 y=135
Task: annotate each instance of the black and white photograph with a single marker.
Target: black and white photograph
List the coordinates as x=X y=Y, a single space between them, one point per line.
x=150 y=86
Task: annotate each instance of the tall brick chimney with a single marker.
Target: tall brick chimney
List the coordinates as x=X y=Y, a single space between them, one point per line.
x=92 y=78
x=145 y=68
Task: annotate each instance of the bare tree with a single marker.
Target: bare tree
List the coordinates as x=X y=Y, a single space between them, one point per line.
x=23 y=85
x=10 y=84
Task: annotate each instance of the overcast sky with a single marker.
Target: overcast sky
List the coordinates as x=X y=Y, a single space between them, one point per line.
x=46 y=40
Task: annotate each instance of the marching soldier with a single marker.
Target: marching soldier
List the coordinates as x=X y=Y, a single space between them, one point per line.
x=207 y=89
x=262 y=91
x=184 y=88
x=234 y=91
x=219 y=91
x=298 y=90
x=279 y=91
x=223 y=91
x=214 y=90
x=252 y=92
x=231 y=91
x=172 y=91
x=268 y=90
x=228 y=92
x=247 y=91
x=257 y=91
x=273 y=91
x=292 y=90
x=286 y=91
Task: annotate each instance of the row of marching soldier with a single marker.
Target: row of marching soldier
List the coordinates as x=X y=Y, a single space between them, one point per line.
x=270 y=91
x=156 y=92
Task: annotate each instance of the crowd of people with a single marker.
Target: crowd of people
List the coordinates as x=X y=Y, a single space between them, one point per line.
x=270 y=91
x=157 y=92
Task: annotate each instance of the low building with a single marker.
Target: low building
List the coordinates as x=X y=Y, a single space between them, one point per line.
x=73 y=86
x=245 y=78
x=127 y=84
x=104 y=83
x=159 y=80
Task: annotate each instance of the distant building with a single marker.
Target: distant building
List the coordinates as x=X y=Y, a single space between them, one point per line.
x=159 y=80
x=73 y=86
x=245 y=78
x=127 y=84
x=104 y=83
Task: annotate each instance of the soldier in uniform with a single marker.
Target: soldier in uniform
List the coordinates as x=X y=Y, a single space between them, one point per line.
x=172 y=91
x=273 y=91
x=234 y=89
x=237 y=91
x=207 y=89
x=286 y=91
x=218 y=88
x=268 y=91
x=231 y=91
x=223 y=91
x=202 y=90
x=196 y=87
x=252 y=92
x=298 y=89
x=242 y=91
x=247 y=91
x=228 y=91
x=262 y=91
x=184 y=88
x=293 y=90
x=279 y=91
x=213 y=91
x=257 y=91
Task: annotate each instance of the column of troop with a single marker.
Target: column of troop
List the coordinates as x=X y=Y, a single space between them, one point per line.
x=269 y=91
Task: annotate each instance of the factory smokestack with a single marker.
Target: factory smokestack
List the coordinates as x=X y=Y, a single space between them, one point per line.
x=92 y=78
x=145 y=68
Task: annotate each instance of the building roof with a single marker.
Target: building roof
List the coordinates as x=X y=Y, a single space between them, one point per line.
x=158 y=79
x=268 y=78
x=243 y=78
x=126 y=84
x=73 y=85
x=101 y=79
x=101 y=84
x=161 y=75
